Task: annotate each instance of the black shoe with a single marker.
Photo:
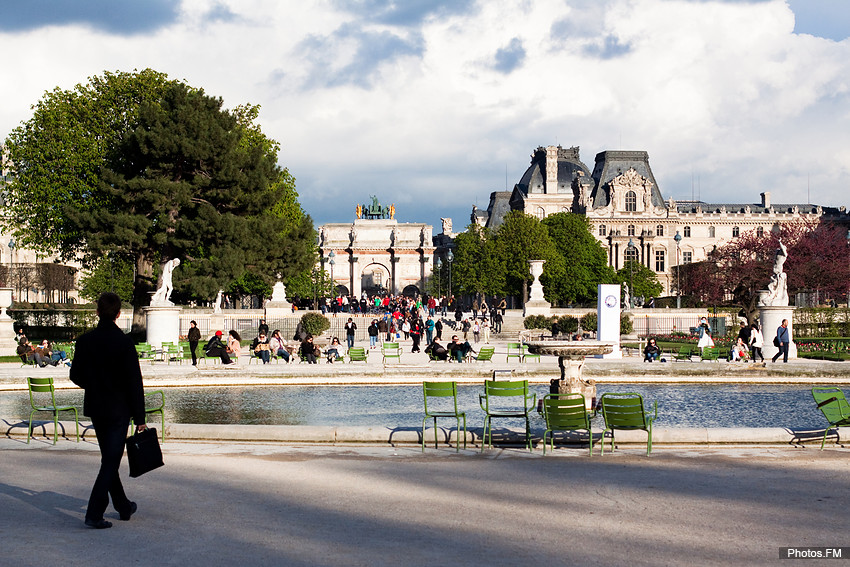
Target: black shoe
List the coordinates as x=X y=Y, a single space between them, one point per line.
x=125 y=517
x=100 y=524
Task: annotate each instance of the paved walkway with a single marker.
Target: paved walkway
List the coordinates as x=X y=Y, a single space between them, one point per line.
x=263 y=504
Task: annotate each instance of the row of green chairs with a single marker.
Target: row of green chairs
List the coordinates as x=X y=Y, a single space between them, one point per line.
x=42 y=392
x=561 y=412
x=520 y=352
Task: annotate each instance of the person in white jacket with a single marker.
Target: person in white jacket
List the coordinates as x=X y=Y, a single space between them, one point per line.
x=756 y=342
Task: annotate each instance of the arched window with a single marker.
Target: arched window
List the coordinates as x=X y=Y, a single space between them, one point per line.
x=686 y=232
x=711 y=232
x=736 y=232
x=659 y=230
x=630 y=231
x=760 y=231
x=631 y=254
x=539 y=212
x=631 y=201
x=602 y=230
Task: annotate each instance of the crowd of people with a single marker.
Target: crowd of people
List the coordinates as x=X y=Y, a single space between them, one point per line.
x=42 y=354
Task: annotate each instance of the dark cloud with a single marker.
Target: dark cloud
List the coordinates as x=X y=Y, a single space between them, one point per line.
x=608 y=48
x=510 y=57
x=112 y=16
x=403 y=12
x=372 y=49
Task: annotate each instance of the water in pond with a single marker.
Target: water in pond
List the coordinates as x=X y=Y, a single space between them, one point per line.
x=709 y=405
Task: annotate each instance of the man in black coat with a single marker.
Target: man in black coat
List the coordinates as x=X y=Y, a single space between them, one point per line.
x=106 y=366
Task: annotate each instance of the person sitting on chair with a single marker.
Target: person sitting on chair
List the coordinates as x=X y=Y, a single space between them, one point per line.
x=333 y=350
x=261 y=348
x=308 y=349
x=437 y=350
x=277 y=347
x=215 y=347
x=651 y=352
x=459 y=350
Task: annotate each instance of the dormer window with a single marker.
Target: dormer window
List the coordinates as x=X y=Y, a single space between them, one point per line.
x=631 y=202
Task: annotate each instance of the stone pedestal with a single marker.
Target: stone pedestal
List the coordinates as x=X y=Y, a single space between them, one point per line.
x=8 y=345
x=278 y=307
x=770 y=319
x=536 y=304
x=163 y=324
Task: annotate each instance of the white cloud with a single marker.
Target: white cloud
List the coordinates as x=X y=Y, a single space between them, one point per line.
x=413 y=108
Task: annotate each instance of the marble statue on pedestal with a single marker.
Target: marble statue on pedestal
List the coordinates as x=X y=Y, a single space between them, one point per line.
x=163 y=294
x=777 y=289
x=217 y=305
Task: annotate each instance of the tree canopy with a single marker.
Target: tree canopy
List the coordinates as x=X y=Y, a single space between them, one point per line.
x=522 y=238
x=580 y=264
x=818 y=259
x=148 y=169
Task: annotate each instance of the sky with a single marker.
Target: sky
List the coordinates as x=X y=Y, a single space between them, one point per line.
x=432 y=105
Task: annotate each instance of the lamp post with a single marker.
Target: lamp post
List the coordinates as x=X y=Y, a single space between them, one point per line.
x=632 y=249
x=439 y=265
x=331 y=261
x=678 y=239
x=450 y=258
x=12 y=253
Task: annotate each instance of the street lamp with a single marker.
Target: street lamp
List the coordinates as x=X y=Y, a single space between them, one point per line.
x=678 y=239
x=451 y=258
x=11 y=253
x=439 y=265
x=631 y=251
x=331 y=261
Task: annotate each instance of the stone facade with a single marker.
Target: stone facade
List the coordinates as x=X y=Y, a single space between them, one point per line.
x=623 y=203
x=377 y=255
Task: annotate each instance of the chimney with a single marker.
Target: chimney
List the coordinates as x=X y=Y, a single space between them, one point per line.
x=551 y=169
x=765 y=199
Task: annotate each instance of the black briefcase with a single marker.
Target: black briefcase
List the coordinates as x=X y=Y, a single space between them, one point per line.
x=143 y=452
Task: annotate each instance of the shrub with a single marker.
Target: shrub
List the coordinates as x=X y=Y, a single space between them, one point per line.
x=589 y=322
x=537 y=322
x=315 y=323
x=626 y=325
x=568 y=324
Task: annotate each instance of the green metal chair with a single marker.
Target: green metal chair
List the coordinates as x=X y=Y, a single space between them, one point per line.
x=684 y=353
x=493 y=402
x=357 y=354
x=442 y=390
x=514 y=351
x=45 y=386
x=526 y=355
x=485 y=354
x=711 y=354
x=145 y=352
x=832 y=403
x=626 y=412
x=565 y=412
x=172 y=352
x=154 y=405
x=391 y=350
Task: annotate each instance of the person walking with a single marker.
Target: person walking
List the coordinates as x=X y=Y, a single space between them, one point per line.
x=107 y=368
x=782 y=340
x=350 y=327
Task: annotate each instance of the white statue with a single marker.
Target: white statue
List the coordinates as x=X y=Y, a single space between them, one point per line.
x=777 y=289
x=163 y=294
x=217 y=306
x=627 y=298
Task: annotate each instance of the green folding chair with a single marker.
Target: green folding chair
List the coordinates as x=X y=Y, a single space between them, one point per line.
x=832 y=403
x=391 y=350
x=496 y=402
x=442 y=390
x=626 y=412
x=45 y=386
x=565 y=412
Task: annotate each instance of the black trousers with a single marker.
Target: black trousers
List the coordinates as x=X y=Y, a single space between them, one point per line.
x=192 y=346
x=111 y=435
x=783 y=351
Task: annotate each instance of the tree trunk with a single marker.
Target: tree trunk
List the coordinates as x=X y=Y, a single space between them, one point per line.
x=524 y=292
x=141 y=292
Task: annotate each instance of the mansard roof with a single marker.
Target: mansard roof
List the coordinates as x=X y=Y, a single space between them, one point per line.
x=569 y=166
x=610 y=164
